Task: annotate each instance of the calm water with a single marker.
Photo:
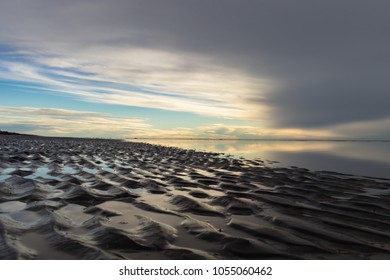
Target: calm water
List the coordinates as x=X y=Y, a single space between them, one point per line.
x=359 y=158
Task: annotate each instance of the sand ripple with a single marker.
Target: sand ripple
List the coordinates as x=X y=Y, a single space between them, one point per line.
x=101 y=199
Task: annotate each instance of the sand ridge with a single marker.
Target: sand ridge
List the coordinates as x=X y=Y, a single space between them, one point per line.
x=63 y=198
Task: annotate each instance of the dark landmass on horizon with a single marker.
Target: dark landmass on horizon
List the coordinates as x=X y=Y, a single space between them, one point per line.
x=2 y=132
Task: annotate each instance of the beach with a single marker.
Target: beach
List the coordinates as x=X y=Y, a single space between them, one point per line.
x=68 y=198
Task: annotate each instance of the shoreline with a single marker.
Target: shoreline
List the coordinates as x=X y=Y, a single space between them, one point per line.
x=262 y=140
x=77 y=198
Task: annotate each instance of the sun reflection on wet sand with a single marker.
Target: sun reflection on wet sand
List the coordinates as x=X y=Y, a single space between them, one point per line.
x=344 y=156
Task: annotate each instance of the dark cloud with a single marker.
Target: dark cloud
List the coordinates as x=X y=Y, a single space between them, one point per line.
x=329 y=59
x=339 y=100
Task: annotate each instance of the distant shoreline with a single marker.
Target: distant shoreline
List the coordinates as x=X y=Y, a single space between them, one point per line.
x=201 y=139
x=241 y=139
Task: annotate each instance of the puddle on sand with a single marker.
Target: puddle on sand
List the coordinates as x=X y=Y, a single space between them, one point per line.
x=108 y=169
x=90 y=170
x=41 y=172
x=23 y=220
x=69 y=170
x=4 y=177
x=7 y=170
x=25 y=217
x=12 y=206
x=4 y=173
x=45 y=251
x=74 y=214
x=126 y=218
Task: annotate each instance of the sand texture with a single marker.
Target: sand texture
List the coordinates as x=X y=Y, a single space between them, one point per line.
x=106 y=199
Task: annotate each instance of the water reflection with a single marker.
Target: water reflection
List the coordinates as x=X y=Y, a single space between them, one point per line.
x=360 y=158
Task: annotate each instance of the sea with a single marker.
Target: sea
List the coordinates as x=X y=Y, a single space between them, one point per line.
x=362 y=158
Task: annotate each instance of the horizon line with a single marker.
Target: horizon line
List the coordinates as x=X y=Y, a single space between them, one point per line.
x=256 y=139
x=3 y=132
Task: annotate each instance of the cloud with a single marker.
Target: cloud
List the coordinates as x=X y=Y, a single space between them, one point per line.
x=372 y=129
x=254 y=132
x=53 y=121
x=307 y=65
x=171 y=82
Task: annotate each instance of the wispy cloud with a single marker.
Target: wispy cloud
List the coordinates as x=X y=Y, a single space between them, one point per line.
x=141 y=77
x=53 y=121
x=254 y=132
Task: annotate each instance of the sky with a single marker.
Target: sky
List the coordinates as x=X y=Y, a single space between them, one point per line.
x=305 y=69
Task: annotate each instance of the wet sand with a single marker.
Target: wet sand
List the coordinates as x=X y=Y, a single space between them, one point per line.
x=104 y=199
